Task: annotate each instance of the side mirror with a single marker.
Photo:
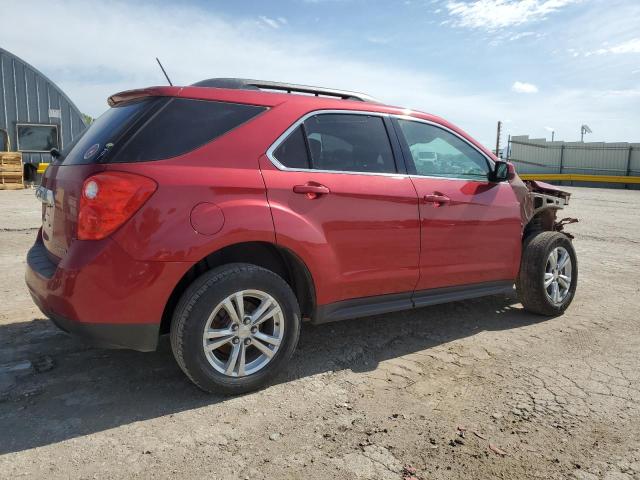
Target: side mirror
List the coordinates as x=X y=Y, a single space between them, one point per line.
x=55 y=153
x=502 y=171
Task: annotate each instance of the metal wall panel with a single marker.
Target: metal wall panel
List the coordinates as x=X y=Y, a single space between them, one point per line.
x=532 y=155
x=27 y=96
x=634 y=160
x=535 y=155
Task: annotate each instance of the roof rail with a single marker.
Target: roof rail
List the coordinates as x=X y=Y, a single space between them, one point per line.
x=247 y=84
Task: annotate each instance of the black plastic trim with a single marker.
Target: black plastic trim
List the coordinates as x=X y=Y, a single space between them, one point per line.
x=363 y=307
x=398 y=154
x=452 y=294
x=142 y=337
x=39 y=261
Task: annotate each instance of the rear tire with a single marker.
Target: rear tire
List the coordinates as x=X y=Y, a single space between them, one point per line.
x=235 y=328
x=548 y=274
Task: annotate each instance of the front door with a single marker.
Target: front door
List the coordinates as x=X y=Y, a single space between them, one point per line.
x=471 y=228
x=339 y=201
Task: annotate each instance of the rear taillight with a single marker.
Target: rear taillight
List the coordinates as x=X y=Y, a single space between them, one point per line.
x=108 y=200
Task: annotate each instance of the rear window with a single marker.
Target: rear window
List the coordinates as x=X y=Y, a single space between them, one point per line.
x=183 y=125
x=96 y=143
x=157 y=128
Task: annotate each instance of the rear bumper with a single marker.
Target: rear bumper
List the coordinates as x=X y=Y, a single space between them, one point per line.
x=101 y=294
x=141 y=337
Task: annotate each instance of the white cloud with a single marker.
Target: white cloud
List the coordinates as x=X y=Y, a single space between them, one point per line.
x=121 y=40
x=520 y=35
x=378 y=40
x=625 y=93
x=271 y=22
x=495 y=14
x=629 y=46
x=194 y=44
x=524 y=87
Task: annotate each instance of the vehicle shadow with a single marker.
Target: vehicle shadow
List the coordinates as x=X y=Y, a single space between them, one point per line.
x=91 y=390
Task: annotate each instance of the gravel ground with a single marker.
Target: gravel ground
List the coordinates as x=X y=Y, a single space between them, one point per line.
x=473 y=389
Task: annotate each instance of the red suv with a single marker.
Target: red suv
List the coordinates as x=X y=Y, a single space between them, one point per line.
x=226 y=212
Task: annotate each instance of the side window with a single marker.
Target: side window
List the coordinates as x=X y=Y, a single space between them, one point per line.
x=292 y=153
x=183 y=125
x=350 y=143
x=438 y=153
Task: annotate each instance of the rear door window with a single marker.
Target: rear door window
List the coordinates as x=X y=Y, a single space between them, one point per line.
x=349 y=143
x=338 y=142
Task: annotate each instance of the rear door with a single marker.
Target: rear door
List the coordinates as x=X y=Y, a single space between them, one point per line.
x=470 y=226
x=339 y=200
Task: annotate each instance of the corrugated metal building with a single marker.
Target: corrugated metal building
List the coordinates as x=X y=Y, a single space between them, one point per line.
x=536 y=155
x=35 y=114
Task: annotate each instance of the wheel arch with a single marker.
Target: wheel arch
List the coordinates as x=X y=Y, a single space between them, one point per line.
x=280 y=260
x=543 y=220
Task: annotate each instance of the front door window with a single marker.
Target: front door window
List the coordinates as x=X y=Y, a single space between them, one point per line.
x=439 y=153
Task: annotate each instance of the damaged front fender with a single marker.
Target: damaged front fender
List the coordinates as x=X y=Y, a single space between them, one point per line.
x=539 y=204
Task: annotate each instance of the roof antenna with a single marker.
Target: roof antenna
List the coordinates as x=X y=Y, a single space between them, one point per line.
x=163 y=71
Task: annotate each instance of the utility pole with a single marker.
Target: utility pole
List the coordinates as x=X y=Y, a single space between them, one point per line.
x=498 y=138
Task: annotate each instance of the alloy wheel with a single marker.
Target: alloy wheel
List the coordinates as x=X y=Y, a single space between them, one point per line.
x=557 y=276
x=243 y=333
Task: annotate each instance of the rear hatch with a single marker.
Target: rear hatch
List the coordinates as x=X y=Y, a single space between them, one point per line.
x=88 y=154
x=138 y=128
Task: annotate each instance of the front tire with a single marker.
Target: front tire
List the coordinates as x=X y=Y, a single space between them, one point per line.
x=548 y=274
x=235 y=328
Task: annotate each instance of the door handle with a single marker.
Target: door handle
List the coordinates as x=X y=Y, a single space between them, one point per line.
x=312 y=190
x=437 y=199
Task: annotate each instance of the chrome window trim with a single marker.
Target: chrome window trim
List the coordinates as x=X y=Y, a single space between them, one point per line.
x=300 y=121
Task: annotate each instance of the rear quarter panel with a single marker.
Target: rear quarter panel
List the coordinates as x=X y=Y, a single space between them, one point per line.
x=224 y=172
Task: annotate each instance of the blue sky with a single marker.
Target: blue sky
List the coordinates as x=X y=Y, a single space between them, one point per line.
x=536 y=65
